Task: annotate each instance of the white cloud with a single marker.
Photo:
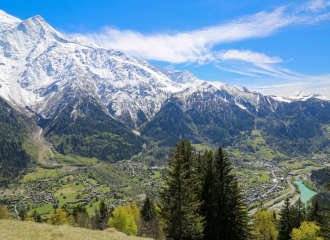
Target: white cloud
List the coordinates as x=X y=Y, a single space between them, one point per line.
x=316 y=5
x=247 y=56
x=196 y=46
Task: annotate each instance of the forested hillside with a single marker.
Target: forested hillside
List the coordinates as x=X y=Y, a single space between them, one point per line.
x=84 y=129
x=294 y=129
x=299 y=127
x=170 y=125
x=13 y=134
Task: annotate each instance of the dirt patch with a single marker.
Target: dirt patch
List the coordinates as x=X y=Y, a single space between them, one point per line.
x=277 y=207
x=65 y=191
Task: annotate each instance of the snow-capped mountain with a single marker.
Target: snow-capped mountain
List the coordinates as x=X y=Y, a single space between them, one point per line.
x=44 y=70
x=7 y=21
x=299 y=96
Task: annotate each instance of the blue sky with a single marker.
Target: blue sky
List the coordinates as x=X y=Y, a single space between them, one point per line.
x=274 y=47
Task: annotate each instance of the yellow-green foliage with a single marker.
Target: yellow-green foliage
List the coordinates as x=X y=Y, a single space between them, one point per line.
x=307 y=231
x=264 y=226
x=59 y=217
x=4 y=214
x=10 y=229
x=124 y=219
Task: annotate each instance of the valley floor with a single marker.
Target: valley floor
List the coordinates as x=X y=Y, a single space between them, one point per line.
x=11 y=229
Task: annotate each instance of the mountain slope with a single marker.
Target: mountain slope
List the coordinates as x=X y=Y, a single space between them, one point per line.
x=13 y=135
x=299 y=127
x=83 y=128
x=48 y=73
x=42 y=69
x=170 y=125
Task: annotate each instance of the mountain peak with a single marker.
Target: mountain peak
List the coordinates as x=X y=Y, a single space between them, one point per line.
x=7 y=21
x=301 y=95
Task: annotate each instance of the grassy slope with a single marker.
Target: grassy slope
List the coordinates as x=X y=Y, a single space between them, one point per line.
x=10 y=229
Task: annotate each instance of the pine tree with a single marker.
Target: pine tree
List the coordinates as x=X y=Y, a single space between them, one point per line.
x=298 y=213
x=285 y=222
x=179 y=201
x=104 y=211
x=148 y=211
x=325 y=226
x=23 y=214
x=205 y=171
x=36 y=216
x=315 y=214
x=227 y=216
x=149 y=226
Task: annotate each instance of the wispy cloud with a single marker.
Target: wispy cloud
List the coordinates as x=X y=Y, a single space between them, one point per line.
x=197 y=46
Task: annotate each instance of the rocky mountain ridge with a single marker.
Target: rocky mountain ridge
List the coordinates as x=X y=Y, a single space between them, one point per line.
x=43 y=70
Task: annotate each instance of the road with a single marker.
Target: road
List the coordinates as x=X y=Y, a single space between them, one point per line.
x=292 y=189
x=42 y=143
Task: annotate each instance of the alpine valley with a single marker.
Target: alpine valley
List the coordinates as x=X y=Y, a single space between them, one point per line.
x=68 y=102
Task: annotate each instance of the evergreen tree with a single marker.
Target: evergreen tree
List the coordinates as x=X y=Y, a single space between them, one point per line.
x=298 y=213
x=148 y=211
x=149 y=226
x=227 y=216
x=179 y=201
x=78 y=209
x=23 y=214
x=104 y=212
x=322 y=218
x=285 y=222
x=96 y=220
x=205 y=171
x=315 y=214
x=36 y=216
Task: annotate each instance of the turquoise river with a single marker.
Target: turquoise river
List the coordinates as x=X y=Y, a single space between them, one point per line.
x=305 y=192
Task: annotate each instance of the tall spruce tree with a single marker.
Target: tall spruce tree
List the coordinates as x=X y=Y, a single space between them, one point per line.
x=148 y=211
x=325 y=216
x=227 y=216
x=150 y=225
x=285 y=222
x=315 y=214
x=205 y=171
x=179 y=203
x=298 y=213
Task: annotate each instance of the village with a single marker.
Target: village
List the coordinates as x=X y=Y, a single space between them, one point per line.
x=265 y=180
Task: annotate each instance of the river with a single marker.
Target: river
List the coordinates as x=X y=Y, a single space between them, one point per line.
x=305 y=192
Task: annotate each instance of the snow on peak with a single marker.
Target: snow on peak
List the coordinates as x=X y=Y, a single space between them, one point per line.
x=7 y=21
x=44 y=70
x=303 y=96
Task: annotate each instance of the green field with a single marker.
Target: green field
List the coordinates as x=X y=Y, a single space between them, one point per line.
x=41 y=173
x=74 y=160
x=201 y=147
x=297 y=165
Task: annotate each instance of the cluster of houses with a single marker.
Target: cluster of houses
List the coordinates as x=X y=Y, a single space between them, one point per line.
x=32 y=196
x=261 y=191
